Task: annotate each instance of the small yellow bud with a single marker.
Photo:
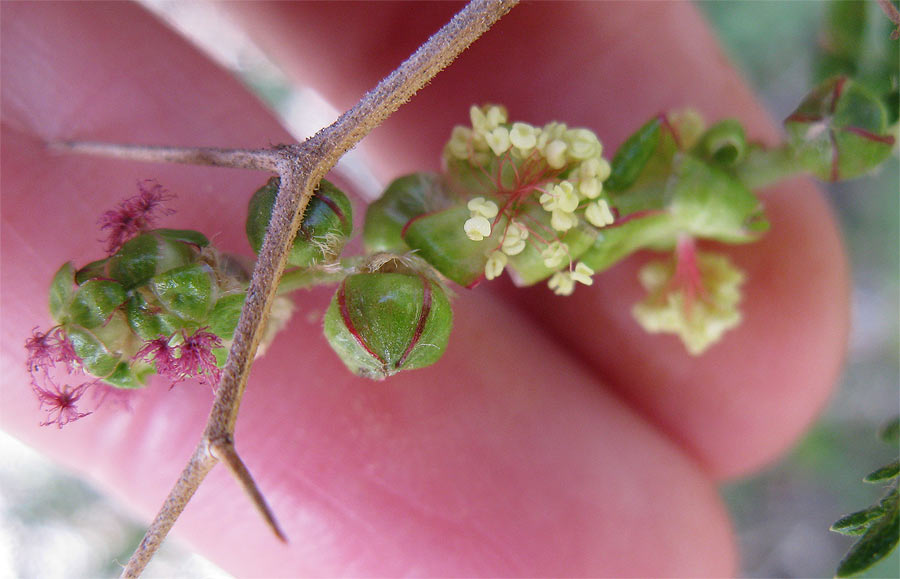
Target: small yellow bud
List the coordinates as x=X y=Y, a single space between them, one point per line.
x=590 y=188
x=498 y=140
x=583 y=144
x=460 y=142
x=555 y=152
x=523 y=136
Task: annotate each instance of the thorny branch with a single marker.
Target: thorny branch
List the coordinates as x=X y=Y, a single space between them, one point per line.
x=300 y=168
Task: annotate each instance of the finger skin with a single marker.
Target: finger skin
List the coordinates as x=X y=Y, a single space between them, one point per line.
x=610 y=67
x=507 y=458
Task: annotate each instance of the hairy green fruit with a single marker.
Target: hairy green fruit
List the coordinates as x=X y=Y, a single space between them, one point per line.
x=326 y=226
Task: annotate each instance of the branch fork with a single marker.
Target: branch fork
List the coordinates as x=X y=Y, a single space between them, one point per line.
x=300 y=167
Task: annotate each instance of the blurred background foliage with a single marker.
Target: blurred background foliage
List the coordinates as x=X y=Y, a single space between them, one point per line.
x=54 y=525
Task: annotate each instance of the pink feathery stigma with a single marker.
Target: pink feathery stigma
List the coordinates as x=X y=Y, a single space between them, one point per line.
x=60 y=402
x=45 y=350
x=135 y=214
x=197 y=358
x=162 y=355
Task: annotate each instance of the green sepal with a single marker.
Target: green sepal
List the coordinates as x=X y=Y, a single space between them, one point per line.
x=327 y=223
x=724 y=143
x=840 y=130
x=187 y=291
x=404 y=199
x=62 y=289
x=150 y=321
x=877 y=542
x=224 y=316
x=382 y=323
x=147 y=255
x=184 y=236
x=632 y=156
x=884 y=473
x=94 y=355
x=527 y=267
x=439 y=239
x=94 y=303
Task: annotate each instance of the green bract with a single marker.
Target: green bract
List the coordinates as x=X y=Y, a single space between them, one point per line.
x=382 y=323
x=662 y=192
x=840 y=130
x=326 y=226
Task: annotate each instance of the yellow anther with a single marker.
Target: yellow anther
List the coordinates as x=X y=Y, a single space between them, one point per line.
x=599 y=214
x=477 y=228
x=562 y=283
x=554 y=254
x=478 y=206
x=562 y=221
x=582 y=274
x=495 y=264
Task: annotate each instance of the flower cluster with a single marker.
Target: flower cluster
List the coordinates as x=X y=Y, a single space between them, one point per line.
x=694 y=296
x=521 y=167
x=162 y=298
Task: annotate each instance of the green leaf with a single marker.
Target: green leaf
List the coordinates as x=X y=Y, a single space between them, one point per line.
x=884 y=473
x=94 y=302
x=879 y=540
x=857 y=523
x=632 y=156
x=890 y=432
x=62 y=289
